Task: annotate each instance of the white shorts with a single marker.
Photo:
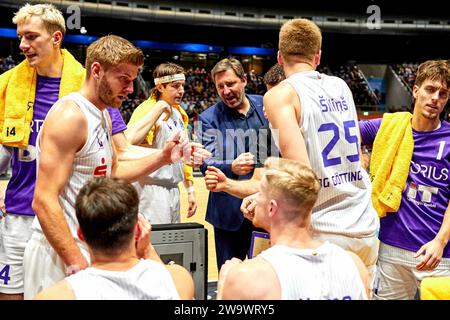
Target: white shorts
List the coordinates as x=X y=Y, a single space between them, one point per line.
x=159 y=204
x=365 y=248
x=15 y=231
x=43 y=267
x=397 y=277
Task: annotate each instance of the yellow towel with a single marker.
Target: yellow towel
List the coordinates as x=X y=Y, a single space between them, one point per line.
x=17 y=94
x=435 y=288
x=391 y=158
x=145 y=107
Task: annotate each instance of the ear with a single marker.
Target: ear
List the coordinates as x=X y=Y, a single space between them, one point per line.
x=80 y=234
x=96 y=69
x=273 y=208
x=137 y=231
x=415 y=91
x=317 y=57
x=279 y=58
x=244 y=79
x=57 y=38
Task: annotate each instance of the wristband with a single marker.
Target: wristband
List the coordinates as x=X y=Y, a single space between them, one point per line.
x=190 y=189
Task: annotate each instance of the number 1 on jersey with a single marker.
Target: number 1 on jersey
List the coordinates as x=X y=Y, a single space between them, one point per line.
x=441 y=150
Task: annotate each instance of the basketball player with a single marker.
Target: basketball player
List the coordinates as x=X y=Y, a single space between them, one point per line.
x=137 y=131
x=124 y=263
x=296 y=266
x=74 y=145
x=414 y=239
x=274 y=76
x=315 y=119
x=159 y=193
x=41 y=29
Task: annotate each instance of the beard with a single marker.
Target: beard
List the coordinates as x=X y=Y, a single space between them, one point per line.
x=106 y=94
x=239 y=100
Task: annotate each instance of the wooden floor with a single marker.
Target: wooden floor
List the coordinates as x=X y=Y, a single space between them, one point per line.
x=199 y=217
x=202 y=198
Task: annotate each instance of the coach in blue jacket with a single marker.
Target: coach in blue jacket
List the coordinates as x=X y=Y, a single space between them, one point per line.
x=229 y=130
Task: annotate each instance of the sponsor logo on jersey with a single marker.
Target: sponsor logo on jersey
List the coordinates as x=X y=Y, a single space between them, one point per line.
x=100 y=171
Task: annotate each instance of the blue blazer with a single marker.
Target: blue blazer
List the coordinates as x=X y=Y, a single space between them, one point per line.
x=215 y=131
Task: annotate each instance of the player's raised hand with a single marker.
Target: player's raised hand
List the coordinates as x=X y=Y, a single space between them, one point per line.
x=243 y=164
x=215 y=179
x=248 y=206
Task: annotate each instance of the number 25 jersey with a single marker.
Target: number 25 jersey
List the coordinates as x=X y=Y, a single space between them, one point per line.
x=330 y=129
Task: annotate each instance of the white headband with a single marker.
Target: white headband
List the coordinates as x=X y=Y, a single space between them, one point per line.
x=172 y=77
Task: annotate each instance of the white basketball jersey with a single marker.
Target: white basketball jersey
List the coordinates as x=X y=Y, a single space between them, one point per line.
x=330 y=129
x=147 y=280
x=93 y=160
x=172 y=174
x=324 y=273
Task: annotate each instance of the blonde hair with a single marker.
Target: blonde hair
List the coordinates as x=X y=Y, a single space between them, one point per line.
x=296 y=183
x=164 y=69
x=435 y=70
x=299 y=37
x=112 y=50
x=51 y=17
x=228 y=64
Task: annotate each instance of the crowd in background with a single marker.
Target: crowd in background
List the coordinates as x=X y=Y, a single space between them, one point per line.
x=407 y=72
x=200 y=92
x=6 y=64
x=352 y=75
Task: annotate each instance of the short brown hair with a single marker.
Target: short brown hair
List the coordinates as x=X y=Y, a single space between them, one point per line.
x=299 y=37
x=228 y=64
x=274 y=76
x=107 y=211
x=435 y=70
x=162 y=70
x=296 y=183
x=112 y=50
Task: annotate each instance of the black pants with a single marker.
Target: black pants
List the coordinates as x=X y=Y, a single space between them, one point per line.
x=231 y=244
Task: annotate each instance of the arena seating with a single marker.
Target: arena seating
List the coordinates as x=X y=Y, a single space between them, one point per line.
x=200 y=92
x=407 y=72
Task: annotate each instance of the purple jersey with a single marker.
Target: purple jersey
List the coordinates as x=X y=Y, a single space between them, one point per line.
x=20 y=190
x=427 y=191
x=118 y=125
